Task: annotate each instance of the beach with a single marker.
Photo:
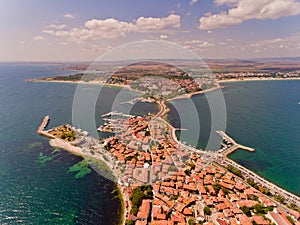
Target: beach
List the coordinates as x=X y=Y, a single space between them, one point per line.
x=103 y=83
x=255 y=79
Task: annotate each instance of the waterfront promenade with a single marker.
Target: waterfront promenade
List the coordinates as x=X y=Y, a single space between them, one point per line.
x=222 y=158
x=231 y=146
x=274 y=189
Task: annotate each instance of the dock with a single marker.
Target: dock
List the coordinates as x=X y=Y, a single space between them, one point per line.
x=231 y=145
x=115 y=113
x=42 y=126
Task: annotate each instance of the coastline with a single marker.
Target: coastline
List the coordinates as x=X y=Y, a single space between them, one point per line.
x=102 y=83
x=58 y=143
x=123 y=196
x=184 y=96
x=190 y=95
x=122 y=193
x=255 y=79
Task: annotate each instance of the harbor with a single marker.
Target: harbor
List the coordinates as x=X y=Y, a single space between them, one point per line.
x=230 y=145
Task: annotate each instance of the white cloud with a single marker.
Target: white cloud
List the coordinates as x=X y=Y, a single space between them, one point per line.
x=111 y=28
x=198 y=43
x=290 y=43
x=163 y=36
x=242 y=10
x=57 y=26
x=39 y=38
x=227 y=2
x=149 y=24
x=206 y=44
x=108 y=29
x=69 y=16
x=193 y=2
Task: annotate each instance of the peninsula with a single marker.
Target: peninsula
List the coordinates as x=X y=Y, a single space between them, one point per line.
x=163 y=181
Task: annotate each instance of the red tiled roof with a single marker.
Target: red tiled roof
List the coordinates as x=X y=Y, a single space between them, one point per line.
x=260 y=220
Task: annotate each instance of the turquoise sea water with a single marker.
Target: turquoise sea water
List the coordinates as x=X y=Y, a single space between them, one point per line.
x=264 y=115
x=42 y=186
x=37 y=185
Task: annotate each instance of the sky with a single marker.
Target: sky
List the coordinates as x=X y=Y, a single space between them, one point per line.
x=83 y=30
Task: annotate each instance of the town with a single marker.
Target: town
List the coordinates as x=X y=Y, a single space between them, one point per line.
x=162 y=180
x=165 y=182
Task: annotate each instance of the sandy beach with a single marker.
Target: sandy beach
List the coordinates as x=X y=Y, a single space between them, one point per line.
x=58 y=143
x=81 y=82
x=255 y=79
x=184 y=96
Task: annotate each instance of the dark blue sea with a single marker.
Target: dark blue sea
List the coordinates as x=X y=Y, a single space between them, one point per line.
x=37 y=186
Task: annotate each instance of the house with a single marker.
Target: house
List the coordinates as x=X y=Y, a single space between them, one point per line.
x=278 y=218
x=144 y=212
x=260 y=220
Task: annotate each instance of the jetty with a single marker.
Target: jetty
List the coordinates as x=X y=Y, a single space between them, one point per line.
x=231 y=145
x=115 y=113
x=42 y=126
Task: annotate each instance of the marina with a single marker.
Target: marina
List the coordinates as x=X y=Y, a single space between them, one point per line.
x=231 y=145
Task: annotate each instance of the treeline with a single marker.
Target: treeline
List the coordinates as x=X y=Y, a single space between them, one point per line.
x=235 y=171
x=72 y=77
x=77 y=77
x=138 y=195
x=258 y=187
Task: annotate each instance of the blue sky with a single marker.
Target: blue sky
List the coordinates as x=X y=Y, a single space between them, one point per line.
x=80 y=30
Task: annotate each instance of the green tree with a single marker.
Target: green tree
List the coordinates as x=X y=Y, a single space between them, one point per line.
x=187 y=172
x=246 y=210
x=130 y=222
x=291 y=220
x=207 y=210
x=259 y=208
x=191 y=221
x=279 y=198
x=134 y=210
x=217 y=187
x=293 y=206
x=192 y=165
x=234 y=171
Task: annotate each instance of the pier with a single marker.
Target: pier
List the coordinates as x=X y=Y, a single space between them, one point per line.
x=231 y=145
x=115 y=113
x=42 y=126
